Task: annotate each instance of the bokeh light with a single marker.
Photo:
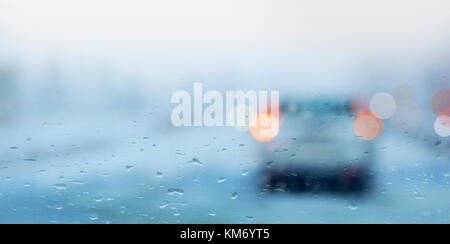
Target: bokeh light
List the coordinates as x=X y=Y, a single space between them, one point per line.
x=368 y=126
x=257 y=129
x=441 y=101
x=407 y=118
x=404 y=95
x=280 y=114
x=383 y=104
x=445 y=117
x=359 y=104
x=440 y=129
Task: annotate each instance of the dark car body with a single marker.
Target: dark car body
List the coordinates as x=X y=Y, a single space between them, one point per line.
x=317 y=149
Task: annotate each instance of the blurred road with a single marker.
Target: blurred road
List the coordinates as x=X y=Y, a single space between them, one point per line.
x=113 y=168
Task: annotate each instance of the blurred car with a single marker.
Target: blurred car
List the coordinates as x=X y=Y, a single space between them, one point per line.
x=317 y=149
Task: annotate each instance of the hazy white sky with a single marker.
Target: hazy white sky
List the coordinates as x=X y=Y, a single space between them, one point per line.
x=262 y=39
x=211 y=24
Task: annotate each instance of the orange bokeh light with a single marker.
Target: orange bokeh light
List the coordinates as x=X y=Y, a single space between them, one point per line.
x=264 y=133
x=368 y=126
x=280 y=114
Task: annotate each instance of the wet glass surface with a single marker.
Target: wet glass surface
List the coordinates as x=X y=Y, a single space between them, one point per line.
x=85 y=112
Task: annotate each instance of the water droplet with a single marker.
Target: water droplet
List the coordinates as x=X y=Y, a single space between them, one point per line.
x=352 y=207
x=269 y=164
x=195 y=161
x=128 y=168
x=163 y=204
x=98 y=199
x=13 y=148
x=159 y=174
x=30 y=160
x=234 y=195
x=212 y=213
x=221 y=180
x=175 y=191
x=60 y=187
x=179 y=152
x=77 y=182
x=244 y=172
x=93 y=217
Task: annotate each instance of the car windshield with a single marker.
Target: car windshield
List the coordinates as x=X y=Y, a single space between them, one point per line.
x=224 y=112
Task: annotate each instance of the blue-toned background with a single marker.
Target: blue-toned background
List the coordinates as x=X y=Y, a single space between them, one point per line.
x=85 y=86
